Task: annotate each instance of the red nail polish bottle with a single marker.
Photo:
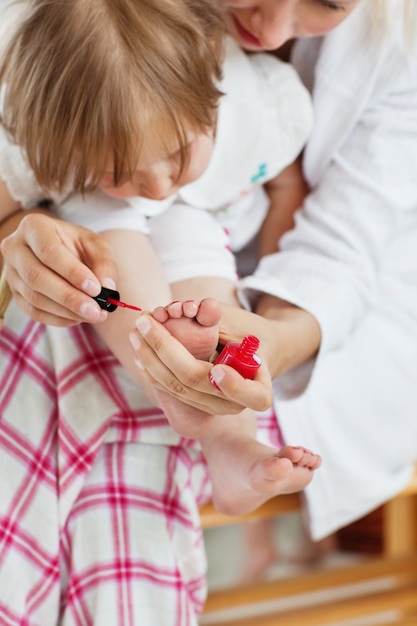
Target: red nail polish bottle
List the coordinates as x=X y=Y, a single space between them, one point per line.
x=241 y=356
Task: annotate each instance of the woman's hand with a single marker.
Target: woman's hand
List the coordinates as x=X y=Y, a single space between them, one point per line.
x=288 y=336
x=54 y=269
x=170 y=367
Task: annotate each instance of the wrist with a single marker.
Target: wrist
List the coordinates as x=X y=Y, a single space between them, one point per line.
x=293 y=337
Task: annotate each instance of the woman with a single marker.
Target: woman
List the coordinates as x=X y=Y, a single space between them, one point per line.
x=338 y=326
x=344 y=361
x=349 y=264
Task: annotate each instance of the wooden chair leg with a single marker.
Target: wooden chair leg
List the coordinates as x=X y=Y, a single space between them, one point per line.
x=400 y=525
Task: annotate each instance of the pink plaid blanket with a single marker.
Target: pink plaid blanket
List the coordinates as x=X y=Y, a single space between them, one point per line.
x=99 y=497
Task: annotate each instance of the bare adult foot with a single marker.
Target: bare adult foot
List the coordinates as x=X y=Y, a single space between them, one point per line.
x=257 y=567
x=314 y=551
x=194 y=324
x=260 y=549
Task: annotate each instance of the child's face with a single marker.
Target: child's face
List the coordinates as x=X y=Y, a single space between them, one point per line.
x=157 y=174
x=267 y=24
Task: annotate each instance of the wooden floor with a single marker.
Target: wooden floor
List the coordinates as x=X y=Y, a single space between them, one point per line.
x=374 y=590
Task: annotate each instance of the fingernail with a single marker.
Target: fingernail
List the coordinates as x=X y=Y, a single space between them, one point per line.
x=91 y=312
x=109 y=283
x=139 y=364
x=216 y=376
x=134 y=340
x=213 y=383
x=143 y=324
x=90 y=287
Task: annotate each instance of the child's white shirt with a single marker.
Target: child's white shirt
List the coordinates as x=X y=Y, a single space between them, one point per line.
x=264 y=121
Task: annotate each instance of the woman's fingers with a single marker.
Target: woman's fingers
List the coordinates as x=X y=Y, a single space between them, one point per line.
x=173 y=369
x=46 y=312
x=35 y=288
x=47 y=264
x=92 y=264
x=162 y=355
x=254 y=394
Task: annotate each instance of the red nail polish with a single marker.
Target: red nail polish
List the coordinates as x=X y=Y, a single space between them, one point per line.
x=241 y=356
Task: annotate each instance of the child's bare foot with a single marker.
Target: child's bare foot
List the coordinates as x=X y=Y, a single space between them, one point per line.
x=194 y=324
x=246 y=473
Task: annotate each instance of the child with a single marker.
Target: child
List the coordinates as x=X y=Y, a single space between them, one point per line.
x=176 y=152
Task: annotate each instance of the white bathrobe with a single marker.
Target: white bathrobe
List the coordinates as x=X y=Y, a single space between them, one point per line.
x=352 y=262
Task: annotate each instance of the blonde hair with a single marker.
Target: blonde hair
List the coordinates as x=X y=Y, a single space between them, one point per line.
x=384 y=16
x=87 y=81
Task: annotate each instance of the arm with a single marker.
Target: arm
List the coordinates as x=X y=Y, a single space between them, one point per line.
x=331 y=262
x=141 y=282
x=8 y=205
x=289 y=336
x=279 y=323
x=10 y=214
x=286 y=194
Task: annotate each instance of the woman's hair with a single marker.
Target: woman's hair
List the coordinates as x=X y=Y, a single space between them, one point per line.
x=384 y=17
x=86 y=82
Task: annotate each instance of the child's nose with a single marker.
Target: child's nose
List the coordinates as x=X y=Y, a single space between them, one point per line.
x=157 y=184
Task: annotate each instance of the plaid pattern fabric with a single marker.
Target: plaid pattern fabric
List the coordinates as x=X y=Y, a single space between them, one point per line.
x=99 y=498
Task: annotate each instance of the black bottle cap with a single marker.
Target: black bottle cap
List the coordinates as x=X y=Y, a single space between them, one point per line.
x=102 y=299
